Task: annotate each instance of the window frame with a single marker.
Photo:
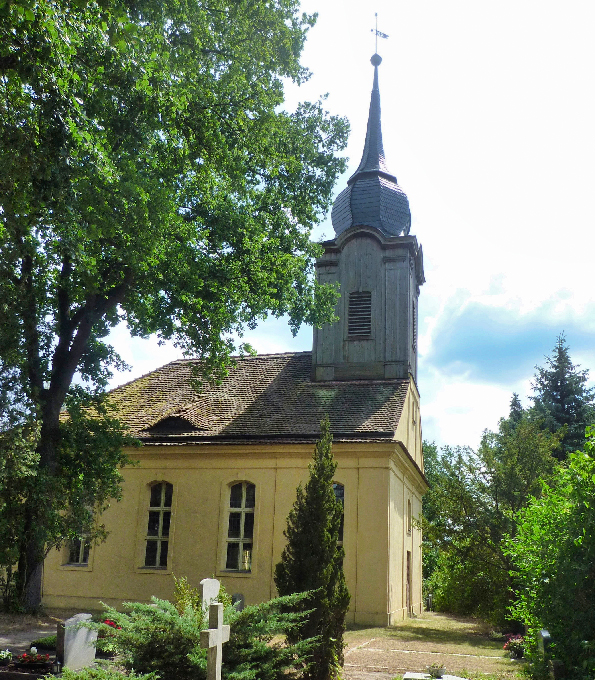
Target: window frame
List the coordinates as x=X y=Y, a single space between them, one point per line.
x=65 y=552
x=83 y=547
x=242 y=476
x=243 y=510
x=145 y=508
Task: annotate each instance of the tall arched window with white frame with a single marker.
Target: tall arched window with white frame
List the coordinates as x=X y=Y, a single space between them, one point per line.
x=157 y=539
x=240 y=527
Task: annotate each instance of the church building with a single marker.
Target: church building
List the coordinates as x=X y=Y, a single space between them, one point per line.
x=219 y=467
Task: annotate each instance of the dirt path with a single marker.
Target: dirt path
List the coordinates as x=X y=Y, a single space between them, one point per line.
x=462 y=645
x=18 y=630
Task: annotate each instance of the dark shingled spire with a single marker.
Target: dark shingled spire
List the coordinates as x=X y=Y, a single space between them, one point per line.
x=372 y=197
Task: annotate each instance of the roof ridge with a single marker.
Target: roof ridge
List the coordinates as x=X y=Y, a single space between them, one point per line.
x=246 y=356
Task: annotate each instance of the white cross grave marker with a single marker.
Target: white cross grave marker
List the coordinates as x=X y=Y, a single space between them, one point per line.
x=213 y=640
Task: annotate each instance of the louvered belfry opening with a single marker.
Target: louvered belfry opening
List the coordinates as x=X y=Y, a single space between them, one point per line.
x=360 y=314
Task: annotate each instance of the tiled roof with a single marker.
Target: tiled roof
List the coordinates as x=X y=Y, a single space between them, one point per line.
x=263 y=397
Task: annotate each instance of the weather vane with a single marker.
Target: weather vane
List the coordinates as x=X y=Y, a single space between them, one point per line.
x=378 y=33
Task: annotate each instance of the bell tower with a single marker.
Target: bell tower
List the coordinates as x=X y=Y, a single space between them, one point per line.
x=379 y=269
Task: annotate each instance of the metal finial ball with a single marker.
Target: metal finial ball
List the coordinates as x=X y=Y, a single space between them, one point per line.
x=376 y=60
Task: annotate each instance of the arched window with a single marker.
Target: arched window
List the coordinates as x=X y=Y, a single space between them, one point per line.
x=240 y=526
x=157 y=540
x=339 y=490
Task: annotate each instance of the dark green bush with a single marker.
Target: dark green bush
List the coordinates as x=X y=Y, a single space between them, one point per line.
x=103 y=673
x=164 y=639
x=47 y=642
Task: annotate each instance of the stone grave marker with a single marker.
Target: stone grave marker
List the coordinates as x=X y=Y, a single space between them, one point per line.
x=75 y=646
x=237 y=599
x=209 y=590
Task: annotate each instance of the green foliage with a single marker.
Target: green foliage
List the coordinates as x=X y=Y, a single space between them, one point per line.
x=553 y=552
x=104 y=673
x=430 y=512
x=312 y=561
x=164 y=638
x=47 y=642
x=562 y=399
x=148 y=175
x=44 y=509
x=473 y=503
x=156 y=638
x=263 y=644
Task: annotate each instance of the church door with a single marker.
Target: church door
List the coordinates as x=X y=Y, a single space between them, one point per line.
x=408 y=585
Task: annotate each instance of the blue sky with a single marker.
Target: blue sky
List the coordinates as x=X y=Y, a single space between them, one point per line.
x=487 y=113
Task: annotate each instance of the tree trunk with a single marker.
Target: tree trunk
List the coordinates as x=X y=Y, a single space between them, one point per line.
x=33 y=545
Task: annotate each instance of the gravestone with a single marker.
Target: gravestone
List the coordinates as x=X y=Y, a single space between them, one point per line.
x=213 y=639
x=75 y=645
x=209 y=590
x=237 y=599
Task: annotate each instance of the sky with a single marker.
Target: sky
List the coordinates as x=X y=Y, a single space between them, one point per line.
x=488 y=121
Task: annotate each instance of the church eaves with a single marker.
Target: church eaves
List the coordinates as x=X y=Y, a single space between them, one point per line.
x=373 y=197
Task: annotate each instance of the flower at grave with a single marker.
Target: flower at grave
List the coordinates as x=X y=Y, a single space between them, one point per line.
x=113 y=624
x=436 y=670
x=33 y=657
x=5 y=655
x=33 y=650
x=515 y=645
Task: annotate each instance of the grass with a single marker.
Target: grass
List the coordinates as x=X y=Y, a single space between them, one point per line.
x=463 y=645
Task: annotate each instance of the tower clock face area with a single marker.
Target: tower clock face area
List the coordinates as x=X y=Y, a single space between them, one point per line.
x=379 y=269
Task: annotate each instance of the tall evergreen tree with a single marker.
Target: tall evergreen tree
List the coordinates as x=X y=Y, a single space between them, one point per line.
x=562 y=398
x=516 y=410
x=312 y=560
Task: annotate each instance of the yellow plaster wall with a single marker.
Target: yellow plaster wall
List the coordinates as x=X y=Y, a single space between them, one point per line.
x=409 y=427
x=373 y=477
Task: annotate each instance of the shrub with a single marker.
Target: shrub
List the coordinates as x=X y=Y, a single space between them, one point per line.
x=164 y=638
x=554 y=553
x=48 y=642
x=104 y=673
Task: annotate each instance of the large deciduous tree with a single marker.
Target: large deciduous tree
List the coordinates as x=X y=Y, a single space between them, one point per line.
x=147 y=175
x=474 y=503
x=312 y=560
x=562 y=399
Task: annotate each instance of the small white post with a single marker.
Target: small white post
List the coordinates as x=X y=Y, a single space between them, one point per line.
x=213 y=639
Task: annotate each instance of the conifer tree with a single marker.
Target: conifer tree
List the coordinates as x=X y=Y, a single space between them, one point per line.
x=516 y=410
x=562 y=398
x=313 y=561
